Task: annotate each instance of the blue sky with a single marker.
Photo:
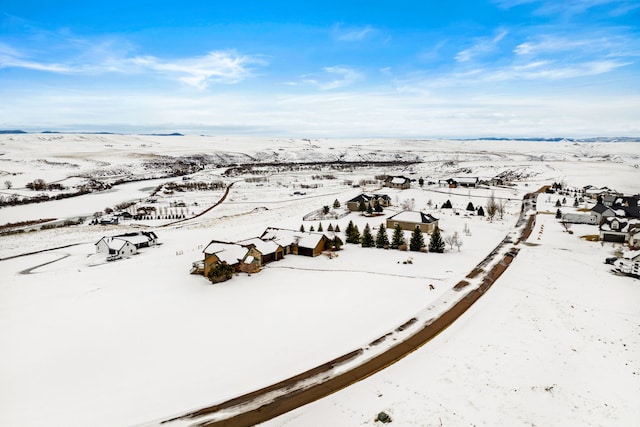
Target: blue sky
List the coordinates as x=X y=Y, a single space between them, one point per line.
x=323 y=68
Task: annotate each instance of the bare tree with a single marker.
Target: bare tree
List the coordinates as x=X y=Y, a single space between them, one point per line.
x=501 y=207
x=458 y=241
x=408 y=204
x=492 y=207
x=8 y=184
x=450 y=240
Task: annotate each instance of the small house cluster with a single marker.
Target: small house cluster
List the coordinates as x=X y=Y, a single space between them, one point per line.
x=618 y=217
x=125 y=245
x=367 y=200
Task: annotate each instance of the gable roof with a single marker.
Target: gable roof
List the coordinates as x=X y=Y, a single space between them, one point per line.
x=265 y=247
x=414 y=216
x=230 y=253
x=600 y=208
x=284 y=237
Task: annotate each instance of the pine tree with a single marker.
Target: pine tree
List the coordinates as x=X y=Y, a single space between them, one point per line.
x=398 y=237
x=362 y=207
x=382 y=240
x=320 y=227
x=337 y=229
x=447 y=205
x=354 y=236
x=480 y=211
x=436 y=244
x=302 y=227
x=337 y=243
x=367 y=238
x=348 y=231
x=470 y=207
x=417 y=240
x=421 y=181
x=558 y=204
x=378 y=207
x=369 y=209
x=330 y=227
x=336 y=204
x=558 y=214
x=311 y=228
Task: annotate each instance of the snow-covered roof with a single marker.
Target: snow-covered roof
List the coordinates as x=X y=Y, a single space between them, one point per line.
x=632 y=255
x=414 y=216
x=115 y=243
x=230 y=253
x=398 y=180
x=264 y=246
x=304 y=239
x=138 y=239
x=466 y=179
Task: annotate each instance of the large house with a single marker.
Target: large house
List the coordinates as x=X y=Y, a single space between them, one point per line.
x=620 y=230
x=368 y=200
x=400 y=182
x=243 y=258
x=306 y=243
x=269 y=249
x=409 y=220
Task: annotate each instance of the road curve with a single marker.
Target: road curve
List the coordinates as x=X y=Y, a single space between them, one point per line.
x=267 y=403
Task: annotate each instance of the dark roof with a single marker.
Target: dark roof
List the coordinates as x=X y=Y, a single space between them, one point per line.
x=360 y=197
x=415 y=217
x=632 y=211
x=600 y=208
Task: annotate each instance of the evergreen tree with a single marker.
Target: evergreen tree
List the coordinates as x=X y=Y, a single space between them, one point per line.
x=398 y=237
x=558 y=214
x=421 y=182
x=378 y=207
x=348 y=231
x=330 y=227
x=558 y=204
x=436 y=244
x=337 y=243
x=320 y=227
x=480 y=211
x=362 y=207
x=575 y=203
x=417 y=240
x=447 y=205
x=354 y=236
x=337 y=229
x=302 y=227
x=369 y=209
x=470 y=207
x=311 y=228
x=336 y=204
x=367 y=238
x=382 y=240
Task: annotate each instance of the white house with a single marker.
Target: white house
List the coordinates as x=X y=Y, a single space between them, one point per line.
x=115 y=246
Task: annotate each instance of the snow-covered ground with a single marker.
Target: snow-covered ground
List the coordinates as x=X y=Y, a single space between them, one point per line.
x=87 y=342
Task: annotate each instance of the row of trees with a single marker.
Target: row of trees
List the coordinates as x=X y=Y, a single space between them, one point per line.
x=381 y=240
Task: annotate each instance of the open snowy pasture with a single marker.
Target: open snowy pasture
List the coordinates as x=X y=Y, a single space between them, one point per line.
x=90 y=342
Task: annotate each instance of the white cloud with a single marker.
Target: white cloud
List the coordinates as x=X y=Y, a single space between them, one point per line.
x=334 y=78
x=227 y=67
x=353 y=34
x=481 y=46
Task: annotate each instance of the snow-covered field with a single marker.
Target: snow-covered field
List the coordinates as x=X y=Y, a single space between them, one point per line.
x=85 y=342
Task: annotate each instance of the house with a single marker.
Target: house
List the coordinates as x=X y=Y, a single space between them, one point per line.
x=620 y=230
x=115 y=247
x=243 y=258
x=369 y=200
x=578 y=218
x=467 y=181
x=409 y=220
x=629 y=264
x=400 y=182
x=601 y=212
x=269 y=249
x=108 y=220
x=297 y=242
x=143 y=239
x=449 y=183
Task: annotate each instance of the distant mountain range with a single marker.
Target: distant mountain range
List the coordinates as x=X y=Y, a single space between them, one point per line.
x=531 y=139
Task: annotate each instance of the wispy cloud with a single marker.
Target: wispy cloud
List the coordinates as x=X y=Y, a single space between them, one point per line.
x=333 y=78
x=573 y=7
x=225 y=67
x=481 y=46
x=353 y=34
